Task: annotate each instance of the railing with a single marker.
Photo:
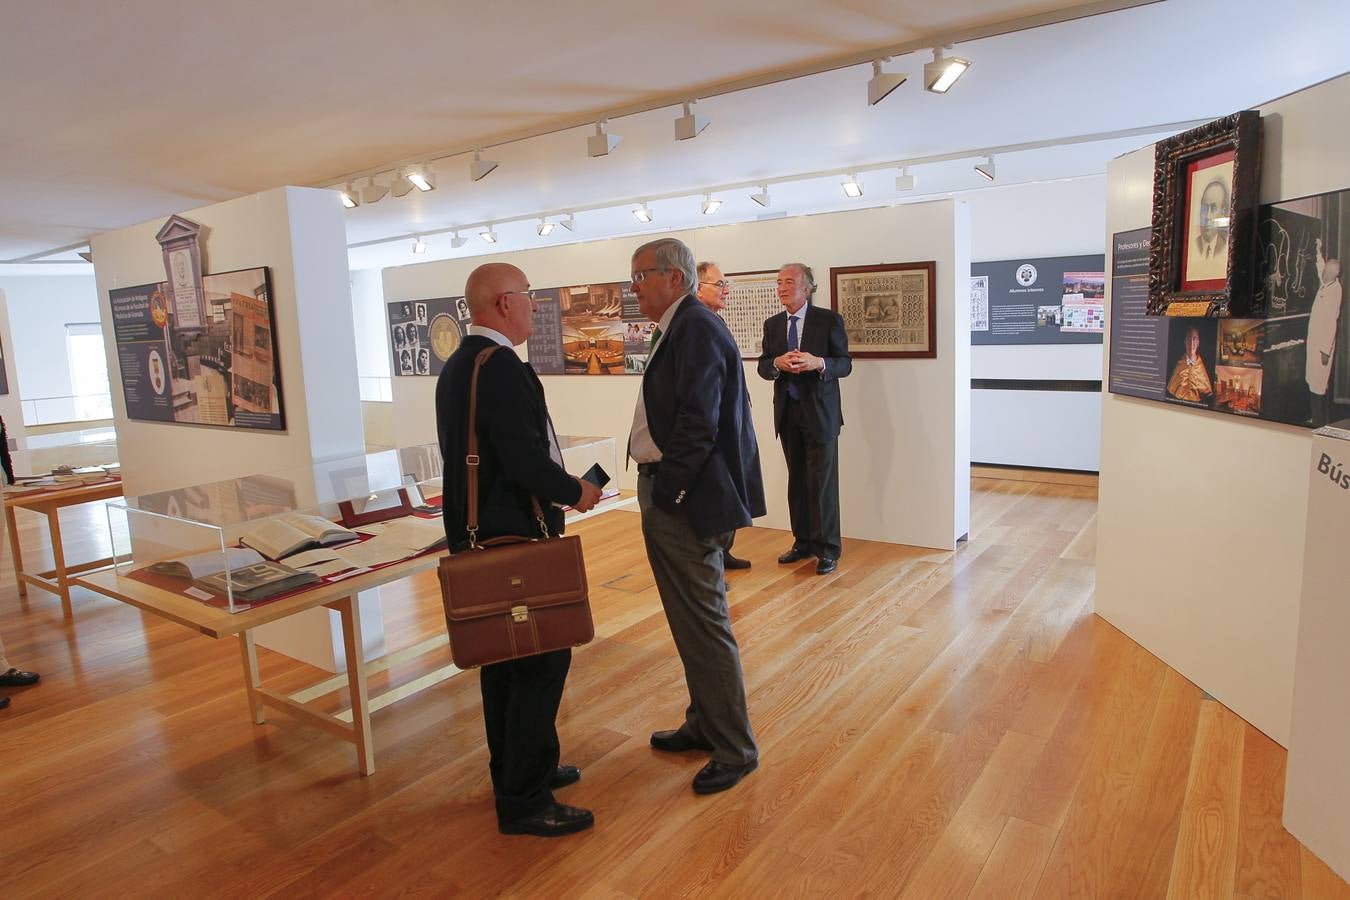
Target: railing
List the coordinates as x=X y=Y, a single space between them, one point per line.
x=75 y=408
x=377 y=389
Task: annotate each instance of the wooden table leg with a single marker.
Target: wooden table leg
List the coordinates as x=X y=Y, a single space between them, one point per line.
x=251 y=682
x=349 y=610
x=15 y=551
x=59 y=559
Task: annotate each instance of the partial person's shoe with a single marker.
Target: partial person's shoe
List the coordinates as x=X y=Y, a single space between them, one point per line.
x=792 y=556
x=15 y=678
x=677 y=741
x=716 y=776
x=734 y=562
x=552 y=821
x=563 y=776
x=826 y=565
x=4 y=701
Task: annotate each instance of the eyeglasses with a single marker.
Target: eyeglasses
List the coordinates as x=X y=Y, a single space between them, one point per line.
x=641 y=274
x=720 y=285
x=528 y=295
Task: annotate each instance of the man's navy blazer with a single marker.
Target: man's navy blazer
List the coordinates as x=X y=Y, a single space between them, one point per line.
x=698 y=415
x=822 y=335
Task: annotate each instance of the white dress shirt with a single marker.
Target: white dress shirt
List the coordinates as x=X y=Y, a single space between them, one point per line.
x=640 y=444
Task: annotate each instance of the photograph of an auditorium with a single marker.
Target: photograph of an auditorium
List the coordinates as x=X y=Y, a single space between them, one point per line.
x=447 y=452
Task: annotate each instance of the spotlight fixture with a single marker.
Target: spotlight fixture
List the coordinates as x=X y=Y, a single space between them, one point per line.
x=422 y=178
x=905 y=181
x=940 y=74
x=568 y=222
x=601 y=143
x=86 y=255
x=480 y=168
x=401 y=185
x=349 y=197
x=852 y=186
x=986 y=168
x=372 y=192
x=642 y=213
x=419 y=246
x=710 y=205
x=489 y=236
x=689 y=125
x=456 y=241
x=881 y=84
x=544 y=227
x=762 y=198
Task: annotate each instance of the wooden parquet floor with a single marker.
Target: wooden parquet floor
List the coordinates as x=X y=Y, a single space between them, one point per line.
x=931 y=725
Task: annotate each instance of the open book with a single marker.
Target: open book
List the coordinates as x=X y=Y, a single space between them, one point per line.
x=199 y=565
x=258 y=581
x=279 y=538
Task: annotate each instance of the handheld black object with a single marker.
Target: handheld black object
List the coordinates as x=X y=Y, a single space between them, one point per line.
x=596 y=476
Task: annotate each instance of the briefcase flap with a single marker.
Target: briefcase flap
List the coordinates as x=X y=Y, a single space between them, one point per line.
x=536 y=574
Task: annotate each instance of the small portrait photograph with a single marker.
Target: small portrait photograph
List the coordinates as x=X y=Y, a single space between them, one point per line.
x=421 y=313
x=1237 y=389
x=399 y=336
x=1209 y=189
x=871 y=309
x=405 y=312
x=405 y=362
x=462 y=308
x=1049 y=316
x=1191 y=345
x=423 y=361
x=410 y=334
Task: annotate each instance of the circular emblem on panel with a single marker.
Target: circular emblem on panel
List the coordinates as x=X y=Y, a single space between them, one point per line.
x=1026 y=274
x=159 y=308
x=155 y=364
x=444 y=335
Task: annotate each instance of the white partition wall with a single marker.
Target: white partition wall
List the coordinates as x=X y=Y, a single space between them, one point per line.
x=1215 y=594
x=300 y=234
x=11 y=406
x=905 y=448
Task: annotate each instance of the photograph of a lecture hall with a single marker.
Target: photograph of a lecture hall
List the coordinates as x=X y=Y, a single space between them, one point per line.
x=633 y=450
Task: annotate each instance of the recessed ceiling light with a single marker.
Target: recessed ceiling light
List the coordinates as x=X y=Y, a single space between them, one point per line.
x=940 y=74
x=422 y=178
x=852 y=186
x=710 y=204
x=489 y=235
x=544 y=227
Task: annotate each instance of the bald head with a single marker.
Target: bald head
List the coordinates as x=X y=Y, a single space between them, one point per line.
x=498 y=295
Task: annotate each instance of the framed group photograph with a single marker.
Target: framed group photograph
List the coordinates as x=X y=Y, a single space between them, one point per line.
x=753 y=298
x=1205 y=186
x=889 y=310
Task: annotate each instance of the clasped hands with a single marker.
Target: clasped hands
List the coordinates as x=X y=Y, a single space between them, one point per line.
x=798 y=361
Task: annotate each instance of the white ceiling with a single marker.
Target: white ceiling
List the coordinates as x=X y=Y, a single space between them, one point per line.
x=114 y=114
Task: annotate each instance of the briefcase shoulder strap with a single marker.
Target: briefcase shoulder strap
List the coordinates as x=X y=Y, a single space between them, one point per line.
x=471 y=460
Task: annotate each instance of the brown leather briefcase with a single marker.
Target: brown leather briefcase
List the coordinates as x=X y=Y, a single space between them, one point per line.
x=511 y=596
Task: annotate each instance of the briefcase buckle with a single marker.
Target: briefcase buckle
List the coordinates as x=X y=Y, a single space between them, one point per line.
x=520 y=614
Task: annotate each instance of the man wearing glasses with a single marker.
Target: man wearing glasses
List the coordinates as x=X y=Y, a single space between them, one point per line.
x=713 y=291
x=698 y=481
x=519 y=458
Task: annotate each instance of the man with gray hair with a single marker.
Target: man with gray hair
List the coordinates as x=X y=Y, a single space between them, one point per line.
x=713 y=291
x=698 y=481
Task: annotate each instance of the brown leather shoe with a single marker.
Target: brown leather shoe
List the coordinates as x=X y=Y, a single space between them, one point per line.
x=716 y=776
x=552 y=821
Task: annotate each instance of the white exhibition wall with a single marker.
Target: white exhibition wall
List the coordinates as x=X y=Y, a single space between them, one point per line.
x=1201 y=517
x=299 y=233
x=11 y=408
x=904 y=451
x=40 y=307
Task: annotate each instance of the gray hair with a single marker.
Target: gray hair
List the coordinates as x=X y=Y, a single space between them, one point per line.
x=673 y=254
x=704 y=266
x=807 y=274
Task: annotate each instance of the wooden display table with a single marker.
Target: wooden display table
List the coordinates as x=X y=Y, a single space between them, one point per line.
x=50 y=502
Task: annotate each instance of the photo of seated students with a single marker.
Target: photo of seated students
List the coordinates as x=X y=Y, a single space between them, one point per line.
x=1191 y=347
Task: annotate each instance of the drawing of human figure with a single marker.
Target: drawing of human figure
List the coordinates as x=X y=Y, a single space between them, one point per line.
x=1321 y=344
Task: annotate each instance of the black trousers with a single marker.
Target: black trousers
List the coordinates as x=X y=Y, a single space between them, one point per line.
x=813 y=486
x=520 y=709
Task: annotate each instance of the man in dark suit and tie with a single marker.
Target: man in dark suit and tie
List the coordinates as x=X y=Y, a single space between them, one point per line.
x=519 y=458
x=805 y=353
x=698 y=481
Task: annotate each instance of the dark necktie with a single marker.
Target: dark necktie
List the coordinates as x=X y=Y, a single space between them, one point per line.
x=794 y=340
x=656 y=336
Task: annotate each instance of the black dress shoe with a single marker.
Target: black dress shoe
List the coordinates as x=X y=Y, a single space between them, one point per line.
x=563 y=776
x=552 y=821
x=826 y=565
x=677 y=741
x=716 y=776
x=15 y=678
x=4 y=701
x=734 y=562
x=792 y=556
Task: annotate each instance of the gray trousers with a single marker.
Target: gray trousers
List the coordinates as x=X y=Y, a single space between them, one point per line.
x=692 y=583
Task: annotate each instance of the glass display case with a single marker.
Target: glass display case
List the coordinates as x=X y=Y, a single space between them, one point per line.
x=581 y=452
x=239 y=542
